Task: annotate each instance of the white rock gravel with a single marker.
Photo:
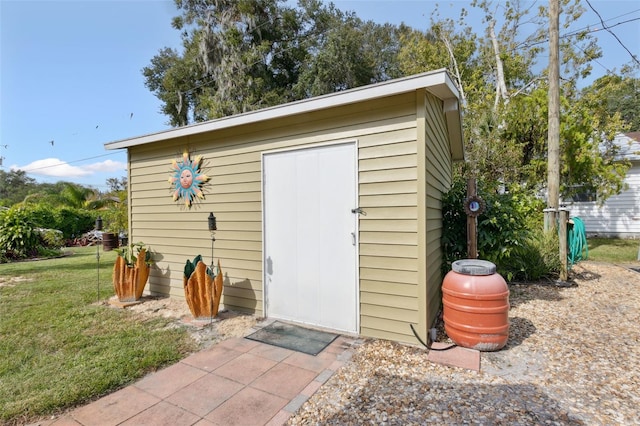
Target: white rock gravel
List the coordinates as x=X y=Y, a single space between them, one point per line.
x=572 y=359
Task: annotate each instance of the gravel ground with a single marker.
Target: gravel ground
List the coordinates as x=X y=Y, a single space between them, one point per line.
x=572 y=359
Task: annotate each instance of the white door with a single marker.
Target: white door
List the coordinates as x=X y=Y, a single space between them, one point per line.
x=310 y=236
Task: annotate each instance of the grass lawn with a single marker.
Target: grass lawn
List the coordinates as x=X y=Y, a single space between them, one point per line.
x=613 y=250
x=60 y=348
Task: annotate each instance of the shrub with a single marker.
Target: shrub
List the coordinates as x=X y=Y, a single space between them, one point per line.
x=508 y=231
x=19 y=237
x=42 y=215
x=51 y=238
x=536 y=259
x=73 y=222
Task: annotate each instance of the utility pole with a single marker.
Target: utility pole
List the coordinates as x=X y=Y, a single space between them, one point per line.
x=553 y=143
x=1 y=157
x=553 y=147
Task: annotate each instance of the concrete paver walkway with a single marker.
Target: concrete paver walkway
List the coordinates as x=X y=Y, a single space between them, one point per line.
x=235 y=382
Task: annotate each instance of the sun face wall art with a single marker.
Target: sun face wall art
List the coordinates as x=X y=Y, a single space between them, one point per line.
x=187 y=180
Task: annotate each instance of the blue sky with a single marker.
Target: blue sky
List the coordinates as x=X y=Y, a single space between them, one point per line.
x=70 y=72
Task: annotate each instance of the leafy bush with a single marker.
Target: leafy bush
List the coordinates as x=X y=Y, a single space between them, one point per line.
x=536 y=259
x=508 y=231
x=42 y=215
x=73 y=222
x=51 y=238
x=116 y=216
x=19 y=237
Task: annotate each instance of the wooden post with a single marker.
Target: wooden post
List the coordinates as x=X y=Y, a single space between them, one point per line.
x=550 y=218
x=562 y=234
x=472 y=223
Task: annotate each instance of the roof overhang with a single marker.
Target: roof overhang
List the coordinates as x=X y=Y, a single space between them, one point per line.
x=436 y=82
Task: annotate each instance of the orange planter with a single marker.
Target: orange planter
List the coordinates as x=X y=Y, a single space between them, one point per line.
x=202 y=292
x=129 y=281
x=476 y=305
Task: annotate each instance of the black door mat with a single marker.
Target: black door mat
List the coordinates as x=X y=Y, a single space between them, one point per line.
x=293 y=337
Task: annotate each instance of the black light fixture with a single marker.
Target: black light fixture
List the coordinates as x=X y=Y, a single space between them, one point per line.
x=99 y=223
x=212 y=222
x=213 y=226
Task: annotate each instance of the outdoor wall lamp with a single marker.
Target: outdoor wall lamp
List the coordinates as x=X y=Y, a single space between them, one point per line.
x=212 y=222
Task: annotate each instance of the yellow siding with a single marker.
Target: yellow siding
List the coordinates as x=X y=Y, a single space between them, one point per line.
x=438 y=181
x=385 y=131
x=402 y=142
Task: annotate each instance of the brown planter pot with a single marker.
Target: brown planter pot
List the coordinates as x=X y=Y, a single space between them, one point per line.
x=129 y=282
x=109 y=241
x=202 y=292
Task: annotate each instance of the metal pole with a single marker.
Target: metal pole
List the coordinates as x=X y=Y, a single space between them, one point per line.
x=98 y=227
x=472 y=223
x=98 y=258
x=213 y=281
x=213 y=226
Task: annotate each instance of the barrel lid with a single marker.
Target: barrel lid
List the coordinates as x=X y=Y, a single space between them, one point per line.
x=473 y=267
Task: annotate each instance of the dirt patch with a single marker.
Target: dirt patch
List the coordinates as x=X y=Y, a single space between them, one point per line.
x=13 y=281
x=205 y=332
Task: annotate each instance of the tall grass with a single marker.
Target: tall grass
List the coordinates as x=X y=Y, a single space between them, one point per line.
x=60 y=348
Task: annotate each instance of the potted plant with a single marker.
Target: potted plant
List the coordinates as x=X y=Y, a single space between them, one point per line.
x=131 y=271
x=202 y=288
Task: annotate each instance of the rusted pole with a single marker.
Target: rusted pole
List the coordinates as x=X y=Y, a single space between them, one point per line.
x=472 y=223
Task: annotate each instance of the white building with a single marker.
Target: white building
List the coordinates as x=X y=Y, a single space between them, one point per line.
x=619 y=216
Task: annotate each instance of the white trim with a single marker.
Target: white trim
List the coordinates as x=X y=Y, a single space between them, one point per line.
x=437 y=82
x=356 y=146
x=346 y=141
x=354 y=142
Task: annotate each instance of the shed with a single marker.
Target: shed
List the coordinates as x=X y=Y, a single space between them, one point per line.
x=619 y=215
x=328 y=209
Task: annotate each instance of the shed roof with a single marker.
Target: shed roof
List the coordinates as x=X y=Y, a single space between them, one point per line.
x=437 y=82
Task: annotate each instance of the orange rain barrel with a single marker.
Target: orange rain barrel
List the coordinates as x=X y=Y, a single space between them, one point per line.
x=476 y=305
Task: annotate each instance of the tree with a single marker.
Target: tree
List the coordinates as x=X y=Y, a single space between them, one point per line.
x=15 y=185
x=244 y=55
x=117 y=184
x=616 y=94
x=238 y=56
x=173 y=78
x=349 y=53
x=505 y=99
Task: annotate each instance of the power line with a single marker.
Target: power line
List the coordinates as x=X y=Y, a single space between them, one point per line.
x=71 y=162
x=612 y=33
x=610 y=19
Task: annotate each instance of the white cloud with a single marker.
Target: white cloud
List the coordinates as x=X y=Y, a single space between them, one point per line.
x=55 y=167
x=106 y=166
